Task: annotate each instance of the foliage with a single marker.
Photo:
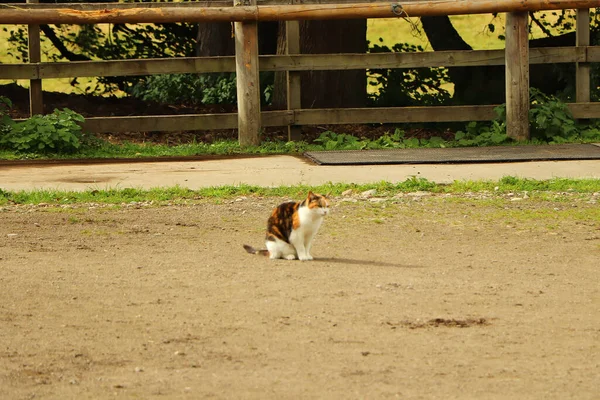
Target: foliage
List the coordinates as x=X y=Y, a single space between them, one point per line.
x=341 y=141
x=6 y=122
x=481 y=134
x=59 y=132
x=187 y=88
x=409 y=86
x=550 y=121
x=213 y=88
x=120 y=41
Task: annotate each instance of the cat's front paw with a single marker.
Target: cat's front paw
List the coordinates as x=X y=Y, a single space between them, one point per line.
x=290 y=257
x=306 y=258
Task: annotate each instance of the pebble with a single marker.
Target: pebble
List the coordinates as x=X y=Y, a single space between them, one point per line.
x=11 y=235
x=369 y=193
x=347 y=193
x=419 y=194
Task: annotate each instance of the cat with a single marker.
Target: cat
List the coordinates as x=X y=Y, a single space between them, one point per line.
x=292 y=226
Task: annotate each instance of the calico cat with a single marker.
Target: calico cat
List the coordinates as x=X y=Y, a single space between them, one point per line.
x=292 y=227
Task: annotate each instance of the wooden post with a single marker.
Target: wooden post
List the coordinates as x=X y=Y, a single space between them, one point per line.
x=292 y=38
x=582 y=76
x=248 y=86
x=36 y=103
x=517 y=75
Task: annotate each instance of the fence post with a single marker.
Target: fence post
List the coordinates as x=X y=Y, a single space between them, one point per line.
x=517 y=75
x=292 y=37
x=582 y=77
x=36 y=103
x=248 y=86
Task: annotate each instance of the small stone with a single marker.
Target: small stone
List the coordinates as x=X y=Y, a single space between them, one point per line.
x=419 y=194
x=347 y=192
x=516 y=199
x=138 y=369
x=12 y=235
x=241 y=198
x=369 y=193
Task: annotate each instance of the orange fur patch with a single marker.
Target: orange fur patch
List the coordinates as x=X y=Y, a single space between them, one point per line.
x=296 y=219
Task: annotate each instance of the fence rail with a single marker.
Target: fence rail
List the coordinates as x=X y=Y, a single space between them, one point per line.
x=517 y=56
x=299 y=62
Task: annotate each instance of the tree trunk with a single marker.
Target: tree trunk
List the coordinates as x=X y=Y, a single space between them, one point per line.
x=485 y=84
x=320 y=89
x=325 y=89
x=215 y=39
x=279 y=84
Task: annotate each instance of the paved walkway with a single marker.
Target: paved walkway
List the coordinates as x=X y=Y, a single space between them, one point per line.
x=268 y=171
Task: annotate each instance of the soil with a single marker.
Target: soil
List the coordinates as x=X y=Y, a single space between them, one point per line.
x=97 y=106
x=414 y=297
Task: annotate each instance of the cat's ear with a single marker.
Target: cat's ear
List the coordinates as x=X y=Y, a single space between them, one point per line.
x=311 y=195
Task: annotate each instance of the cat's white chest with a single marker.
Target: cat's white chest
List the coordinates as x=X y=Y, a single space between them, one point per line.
x=310 y=222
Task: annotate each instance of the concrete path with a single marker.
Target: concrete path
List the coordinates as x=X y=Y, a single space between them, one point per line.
x=267 y=171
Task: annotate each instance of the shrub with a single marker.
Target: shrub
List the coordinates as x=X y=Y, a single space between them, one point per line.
x=187 y=88
x=550 y=121
x=59 y=132
x=6 y=122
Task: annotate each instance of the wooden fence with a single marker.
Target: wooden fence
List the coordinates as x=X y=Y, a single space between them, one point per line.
x=247 y=63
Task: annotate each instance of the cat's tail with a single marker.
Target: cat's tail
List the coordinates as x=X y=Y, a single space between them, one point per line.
x=252 y=250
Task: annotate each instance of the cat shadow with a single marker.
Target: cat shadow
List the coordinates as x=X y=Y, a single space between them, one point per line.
x=364 y=262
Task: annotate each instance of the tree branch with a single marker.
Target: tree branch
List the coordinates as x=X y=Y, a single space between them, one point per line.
x=540 y=25
x=58 y=44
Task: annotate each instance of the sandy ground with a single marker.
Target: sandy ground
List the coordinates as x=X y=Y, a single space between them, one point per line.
x=419 y=297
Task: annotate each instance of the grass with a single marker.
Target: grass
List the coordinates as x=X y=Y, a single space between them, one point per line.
x=535 y=188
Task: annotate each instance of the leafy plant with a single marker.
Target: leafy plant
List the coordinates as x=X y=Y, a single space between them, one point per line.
x=482 y=134
x=54 y=133
x=397 y=140
x=550 y=121
x=6 y=122
x=338 y=141
x=218 y=88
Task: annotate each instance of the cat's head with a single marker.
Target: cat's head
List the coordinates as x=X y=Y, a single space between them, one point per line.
x=317 y=203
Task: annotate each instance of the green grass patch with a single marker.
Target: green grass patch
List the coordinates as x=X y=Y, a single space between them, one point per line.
x=179 y=194
x=513 y=184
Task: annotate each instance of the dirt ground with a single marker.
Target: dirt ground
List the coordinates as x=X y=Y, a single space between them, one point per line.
x=415 y=297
